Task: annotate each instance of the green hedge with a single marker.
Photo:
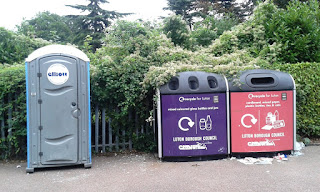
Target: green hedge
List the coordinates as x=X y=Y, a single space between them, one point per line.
x=12 y=84
x=307 y=79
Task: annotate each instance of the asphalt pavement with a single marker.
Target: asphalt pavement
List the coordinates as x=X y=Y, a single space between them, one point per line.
x=145 y=172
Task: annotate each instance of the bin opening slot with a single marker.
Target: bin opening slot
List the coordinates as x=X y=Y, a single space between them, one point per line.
x=212 y=81
x=193 y=82
x=262 y=80
x=174 y=83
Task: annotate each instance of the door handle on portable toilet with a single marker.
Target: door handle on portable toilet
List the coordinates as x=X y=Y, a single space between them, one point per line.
x=76 y=113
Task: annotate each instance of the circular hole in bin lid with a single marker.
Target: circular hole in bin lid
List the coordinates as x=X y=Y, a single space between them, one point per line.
x=174 y=83
x=193 y=82
x=212 y=82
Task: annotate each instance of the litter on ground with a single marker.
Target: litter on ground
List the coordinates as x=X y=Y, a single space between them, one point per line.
x=268 y=161
x=257 y=161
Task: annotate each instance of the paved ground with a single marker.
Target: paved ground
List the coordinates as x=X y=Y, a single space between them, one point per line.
x=144 y=172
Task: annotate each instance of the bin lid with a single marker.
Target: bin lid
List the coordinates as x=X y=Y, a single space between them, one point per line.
x=195 y=82
x=262 y=80
x=57 y=49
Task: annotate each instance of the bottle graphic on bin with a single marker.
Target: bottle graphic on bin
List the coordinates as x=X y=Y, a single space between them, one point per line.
x=208 y=123
x=205 y=124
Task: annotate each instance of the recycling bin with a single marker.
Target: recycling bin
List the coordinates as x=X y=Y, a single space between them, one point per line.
x=58 y=107
x=262 y=112
x=193 y=117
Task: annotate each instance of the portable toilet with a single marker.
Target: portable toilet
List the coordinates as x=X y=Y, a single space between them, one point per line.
x=58 y=108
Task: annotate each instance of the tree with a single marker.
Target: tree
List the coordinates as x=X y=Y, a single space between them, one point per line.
x=204 y=8
x=229 y=7
x=94 y=23
x=48 y=26
x=14 y=48
x=176 y=29
x=183 y=8
x=190 y=9
x=207 y=30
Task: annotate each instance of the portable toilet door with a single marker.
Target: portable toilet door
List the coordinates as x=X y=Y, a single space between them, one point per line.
x=58 y=107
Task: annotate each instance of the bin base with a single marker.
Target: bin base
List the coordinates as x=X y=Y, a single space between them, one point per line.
x=259 y=154
x=87 y=165
x=194 y=158
x=30 y=170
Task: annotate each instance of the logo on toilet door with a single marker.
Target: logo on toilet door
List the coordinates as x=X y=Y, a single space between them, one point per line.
x=58 y=74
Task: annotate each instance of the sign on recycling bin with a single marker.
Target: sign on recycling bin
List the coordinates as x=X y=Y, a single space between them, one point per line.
x=194 y=124
x=262 y=121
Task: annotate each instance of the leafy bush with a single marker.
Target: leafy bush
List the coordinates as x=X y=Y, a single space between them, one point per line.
x=118 y=68
x=16 y=47
x=297 y=29
x=12 y=87
x=276 y=35
x=306 y=76
x=177 y=30
x=48 y=26
x=210 y=29
x=144 y=142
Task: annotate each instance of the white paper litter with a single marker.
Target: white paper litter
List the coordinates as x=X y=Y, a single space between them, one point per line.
x=299 y=146
x=297 y=153
x=257 y=161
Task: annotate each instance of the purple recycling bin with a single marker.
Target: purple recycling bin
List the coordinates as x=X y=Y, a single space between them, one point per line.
x=193 y=117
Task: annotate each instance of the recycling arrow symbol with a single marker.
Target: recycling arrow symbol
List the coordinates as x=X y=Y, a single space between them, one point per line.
x=253 y=120
x=190 y=123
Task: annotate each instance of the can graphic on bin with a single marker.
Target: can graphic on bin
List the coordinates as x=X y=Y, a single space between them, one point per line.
x=262 y=112
x=193 y=116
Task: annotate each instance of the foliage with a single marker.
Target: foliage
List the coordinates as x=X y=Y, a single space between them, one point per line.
x=204 y=31
x=306 y=76
x=144 y=142
x=288 y=37
x=94 y=23
x=297 y=30
x=228 y=7
x=211 y=28
x=176 y=29
x=191 y=10
x=16 y=47
x=181 y=60
x=13 y=134
x=183 y=8
x=280 y=3
x=119 y=67
x=48 y=26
